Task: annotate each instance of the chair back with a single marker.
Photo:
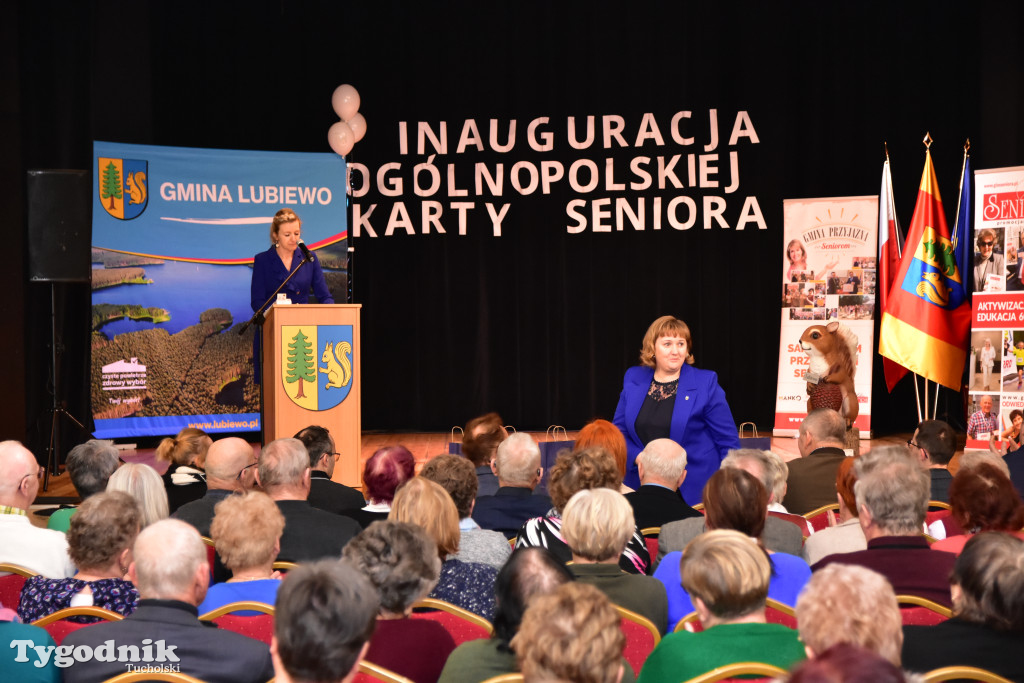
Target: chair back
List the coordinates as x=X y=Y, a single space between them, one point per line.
x=460 y=623
x=506 y=678
x=372 y=673
x=921 y=611
x=259 y=627
x=730 y=671
x=691 y=622
x=969 y=673
x=641 y=637
x=779 y=613
x=651 y=535
x=10 y=585
x=285 y=566
x=805 y=527
x=58 y=626
x=168 y=676
x=823 y=517
x=211 y=555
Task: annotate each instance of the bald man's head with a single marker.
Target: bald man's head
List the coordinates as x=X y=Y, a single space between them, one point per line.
x=19 y=475
x=225 y=460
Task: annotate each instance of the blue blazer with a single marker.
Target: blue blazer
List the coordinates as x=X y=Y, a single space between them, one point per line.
x=701 y=423
x=268 y=272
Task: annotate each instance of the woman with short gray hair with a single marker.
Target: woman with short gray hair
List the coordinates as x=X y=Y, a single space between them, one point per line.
x=402 y=563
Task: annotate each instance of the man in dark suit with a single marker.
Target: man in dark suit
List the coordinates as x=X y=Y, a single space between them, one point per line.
x=811 y=482
x=325 y=494
x=169 y=568
x=230 y=467
x=326 y=613
x=309 y=533
x=935 y=444
x=517 y=465
x=662 y=469
x=892 y=497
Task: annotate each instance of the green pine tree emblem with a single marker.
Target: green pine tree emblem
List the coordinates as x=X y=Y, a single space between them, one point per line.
x=111 y=184
x=300 y=362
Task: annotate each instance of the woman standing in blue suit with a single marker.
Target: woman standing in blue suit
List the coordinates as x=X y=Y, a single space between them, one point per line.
x=271 y=267
x=666 y=397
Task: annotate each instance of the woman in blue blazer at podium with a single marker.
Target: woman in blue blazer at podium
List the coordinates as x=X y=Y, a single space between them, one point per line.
x=666 y=397
x=271 y=267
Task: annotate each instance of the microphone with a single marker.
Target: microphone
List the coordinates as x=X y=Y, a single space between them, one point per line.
x=305 y=251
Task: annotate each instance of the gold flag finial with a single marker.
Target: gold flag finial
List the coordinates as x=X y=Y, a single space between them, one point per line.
x=886 y=146
x=927 y=141
x=967 y=146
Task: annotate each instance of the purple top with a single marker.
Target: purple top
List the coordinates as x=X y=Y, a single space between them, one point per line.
x=41 y=596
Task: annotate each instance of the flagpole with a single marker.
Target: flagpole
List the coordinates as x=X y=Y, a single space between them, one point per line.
x=960 y=193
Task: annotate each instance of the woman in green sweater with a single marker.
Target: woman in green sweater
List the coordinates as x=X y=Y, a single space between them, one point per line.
x=727 y=574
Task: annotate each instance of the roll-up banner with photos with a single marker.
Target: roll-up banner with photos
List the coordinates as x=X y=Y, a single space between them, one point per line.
x=829 y=275
x=996 y=360
x=174 y=234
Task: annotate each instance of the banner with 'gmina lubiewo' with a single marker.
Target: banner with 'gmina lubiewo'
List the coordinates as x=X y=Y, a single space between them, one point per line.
x=174 y=234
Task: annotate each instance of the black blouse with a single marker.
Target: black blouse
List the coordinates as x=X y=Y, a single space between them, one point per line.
x=654 y=421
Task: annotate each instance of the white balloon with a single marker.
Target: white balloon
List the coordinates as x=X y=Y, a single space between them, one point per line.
x=345 y=101
x=358 y=125
x=340 y=137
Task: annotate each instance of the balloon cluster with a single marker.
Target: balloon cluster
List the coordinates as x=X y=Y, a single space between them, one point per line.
x=344 y=134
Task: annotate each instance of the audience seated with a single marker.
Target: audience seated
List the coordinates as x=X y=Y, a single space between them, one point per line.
x=457 y=476
x=661 y=466
x=401 y=562
x=779 y=535
x=727 y=573
x=172 y=574
x=846 y=536
x=469 y=585
x=100 y=543
x=606 y=435
x=326 y=614
x=230 y=468
x=529 y=573
x=31 y=668
x=572 y=634
x=987 y=627
x=185 y=454
x=246 y=532
x=597 y=524
x=846 y=663
x=820 y=441
x=735 y=500
x=982 y=499
x=323 y=493
x=309 y=534
x=517 y=465
x=89 y=465
x=384 y=471
x=480 y=441
x=848 y=604
x=892 y=496
x=935 y=445
x=589 y=468
x=43 y=551
x=144 y=485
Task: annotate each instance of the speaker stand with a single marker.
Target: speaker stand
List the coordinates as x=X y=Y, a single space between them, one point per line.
x=57 y=409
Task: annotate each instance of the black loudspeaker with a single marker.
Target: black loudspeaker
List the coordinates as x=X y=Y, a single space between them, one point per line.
x=59 y=226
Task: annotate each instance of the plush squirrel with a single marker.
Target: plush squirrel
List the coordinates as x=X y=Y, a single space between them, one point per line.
x=832 y=350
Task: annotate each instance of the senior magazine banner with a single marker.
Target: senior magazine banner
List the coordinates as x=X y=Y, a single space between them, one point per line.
x=829 y=275
x=996 y=361
x=174 y=234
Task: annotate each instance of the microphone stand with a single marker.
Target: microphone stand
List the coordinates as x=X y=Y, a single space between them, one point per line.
x=258 y=319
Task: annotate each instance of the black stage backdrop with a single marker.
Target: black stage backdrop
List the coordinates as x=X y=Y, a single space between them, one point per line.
x=540 y=322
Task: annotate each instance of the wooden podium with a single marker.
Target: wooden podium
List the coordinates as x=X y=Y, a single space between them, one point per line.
x=311 y=364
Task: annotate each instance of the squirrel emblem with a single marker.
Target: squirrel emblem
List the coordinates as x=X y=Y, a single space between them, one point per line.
x=339 y=364
x=137 y=187
x=832 y=350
